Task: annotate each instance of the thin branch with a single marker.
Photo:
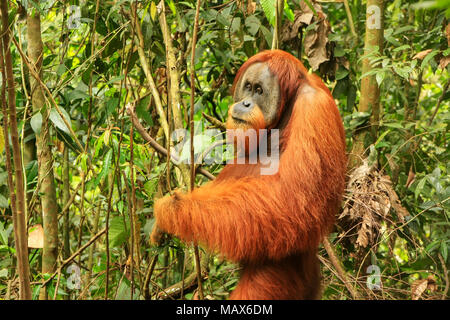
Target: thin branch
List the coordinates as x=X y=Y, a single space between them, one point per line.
x=444 y=268
x=148 y=74
x=189 y=283
x=155 y=145
x=441 y=98
x=148 y=277
x=70 y=201
x=337 y=264
x=191 y=120
x=217 y=123
x=350 y=18
x=73 y=256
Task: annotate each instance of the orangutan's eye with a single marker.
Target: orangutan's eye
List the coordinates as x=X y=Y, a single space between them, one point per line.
x=259 y=90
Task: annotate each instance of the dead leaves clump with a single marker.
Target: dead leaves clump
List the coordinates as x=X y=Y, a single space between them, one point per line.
x=370 y=198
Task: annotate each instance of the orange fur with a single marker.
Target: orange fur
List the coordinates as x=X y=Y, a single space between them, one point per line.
x=273 y=225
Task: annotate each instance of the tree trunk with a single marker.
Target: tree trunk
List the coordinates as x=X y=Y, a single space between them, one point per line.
x=44 y=154
x=370 y=91
x=20 y=226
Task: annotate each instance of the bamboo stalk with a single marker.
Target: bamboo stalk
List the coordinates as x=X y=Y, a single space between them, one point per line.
x=20 y=231
x=191 y=121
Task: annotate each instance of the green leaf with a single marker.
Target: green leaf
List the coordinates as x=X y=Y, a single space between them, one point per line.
x=288 y=11
x=248 y=38
x=36 y=123
x=4 y=273
x=223 y=19
x=235 y=26
x=3 y=235
x=380 y=77
x=444 y=250
x=419 y=187
x=150 y=187
x=118 y=231
x=3 y=176
x=3 y=202
x=253 y=24
x=68 y=141
x=105 y=169
x=269 y=10
x=358 y=118
x=406 y=46
x=432 y=246
x=124 y=291
x=153 y=11
x=142 y=110
x=31 y=171
x=267 y=35
x=403 y=29
x=428 y=58
x=341 y=73
x=57 y=121
x=381 y=137
x=77 y=94
x=396 y=125
x=172 y=7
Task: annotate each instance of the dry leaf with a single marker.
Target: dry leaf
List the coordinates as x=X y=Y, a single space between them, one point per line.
x=394 y=200
x=422 y=54
x=432 y=286
x=251 y=7
x=444 y=62
x=316 y=43
x=411 y=178
x=36 y=237
x=418 y=287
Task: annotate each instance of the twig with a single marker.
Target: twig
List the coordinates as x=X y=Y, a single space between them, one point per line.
x=148 y=74
x=444 y=91
x=148 y=276
x=217 y=123
x=337 y=264
x=191 y=120
x=350 y=18
x=70 y=201
x=57 y=285
x=444 y=268
x=430 y=121
x=155 y=145
x=279 y=4
x=189 y=283
x=73 y=256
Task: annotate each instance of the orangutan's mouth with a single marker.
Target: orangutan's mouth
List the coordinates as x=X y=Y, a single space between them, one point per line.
x=239 y=120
